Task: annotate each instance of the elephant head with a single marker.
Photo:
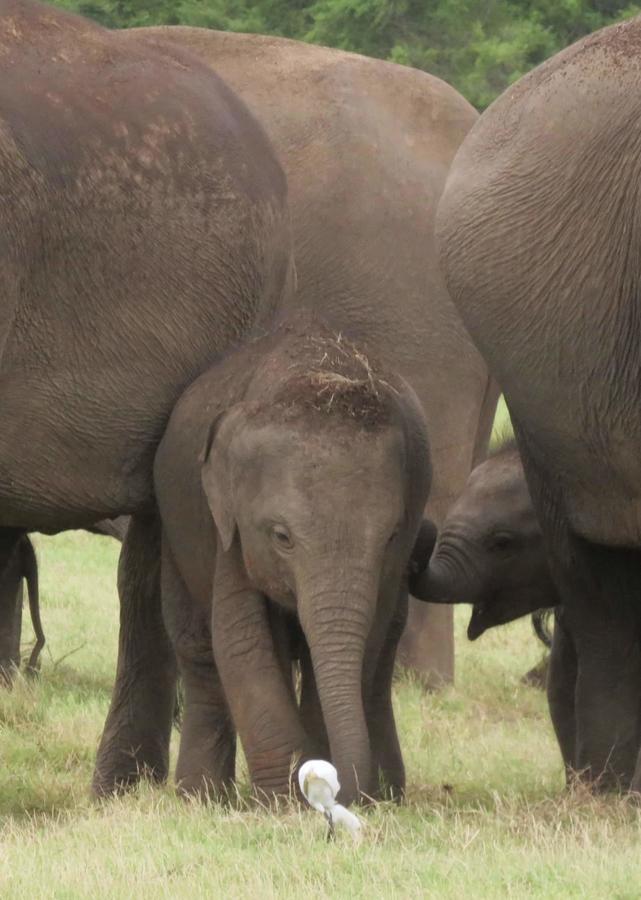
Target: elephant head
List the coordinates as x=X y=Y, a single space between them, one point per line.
x=490 y=552
x=315 y=477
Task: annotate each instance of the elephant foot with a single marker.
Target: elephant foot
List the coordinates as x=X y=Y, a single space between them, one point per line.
x=124 y=759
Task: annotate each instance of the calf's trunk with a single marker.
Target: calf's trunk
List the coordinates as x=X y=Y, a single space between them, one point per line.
x=336 y=622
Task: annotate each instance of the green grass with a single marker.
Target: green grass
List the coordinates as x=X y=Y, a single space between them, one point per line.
x=486 y=814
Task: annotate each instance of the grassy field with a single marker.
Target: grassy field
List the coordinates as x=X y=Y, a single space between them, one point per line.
x=486 y=813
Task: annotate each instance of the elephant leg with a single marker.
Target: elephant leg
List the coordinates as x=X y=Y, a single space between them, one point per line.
x=561 y=689
x=310 y=706
x=284 y=630
x=207 y=755
x=601 y=616
x=261 y=701
x=135 y=740
x=386 y=748
x=11 y=597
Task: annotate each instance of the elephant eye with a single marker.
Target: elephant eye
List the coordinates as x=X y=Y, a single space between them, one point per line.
x=282 y=537
x=502 y=541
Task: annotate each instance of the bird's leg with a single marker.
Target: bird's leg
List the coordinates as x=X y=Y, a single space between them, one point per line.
x=331 y=834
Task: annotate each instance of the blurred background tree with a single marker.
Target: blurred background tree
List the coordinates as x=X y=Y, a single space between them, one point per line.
x=479 y=46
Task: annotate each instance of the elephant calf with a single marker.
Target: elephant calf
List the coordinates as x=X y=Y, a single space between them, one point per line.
x=490 y=553
x=292 y=477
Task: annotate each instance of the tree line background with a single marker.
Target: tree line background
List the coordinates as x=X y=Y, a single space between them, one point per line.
x=478 y=46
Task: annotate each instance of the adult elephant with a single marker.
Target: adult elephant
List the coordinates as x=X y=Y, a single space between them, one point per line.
x=539 y=229
x=143 y=231
x=366 y=146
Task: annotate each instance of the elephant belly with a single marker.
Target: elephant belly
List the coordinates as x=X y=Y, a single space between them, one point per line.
x=68 y=458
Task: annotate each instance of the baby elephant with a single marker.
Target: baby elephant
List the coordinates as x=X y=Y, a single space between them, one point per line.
x=490 y=553
x=292 y=477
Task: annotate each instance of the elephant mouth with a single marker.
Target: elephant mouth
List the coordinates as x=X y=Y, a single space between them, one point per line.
x=476 y=625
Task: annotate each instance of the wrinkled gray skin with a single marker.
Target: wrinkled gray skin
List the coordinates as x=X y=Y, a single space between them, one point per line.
x=490 y=551
x=292 y=477
x=539 y=231
x=366 y=146
x=143 y=231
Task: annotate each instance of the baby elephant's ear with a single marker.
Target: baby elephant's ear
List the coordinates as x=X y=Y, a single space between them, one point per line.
x=216 y=473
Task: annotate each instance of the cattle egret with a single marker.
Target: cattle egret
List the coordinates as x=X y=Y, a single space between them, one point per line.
x=318 y=781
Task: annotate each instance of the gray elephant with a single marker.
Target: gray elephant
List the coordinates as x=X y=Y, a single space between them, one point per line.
x=143 y=231
x=293 y=477
x=366 y=146
x=538 y=229
x=490 y=554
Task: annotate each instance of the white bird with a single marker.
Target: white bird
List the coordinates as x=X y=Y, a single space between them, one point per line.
x=318 y=781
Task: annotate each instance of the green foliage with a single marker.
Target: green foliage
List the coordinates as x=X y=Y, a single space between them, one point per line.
x=479 y=46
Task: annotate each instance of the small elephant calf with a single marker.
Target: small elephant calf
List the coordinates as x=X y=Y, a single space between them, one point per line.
x=490 y=553
x=291 y=482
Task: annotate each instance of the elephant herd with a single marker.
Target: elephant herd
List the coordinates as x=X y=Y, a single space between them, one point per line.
x=251 y=294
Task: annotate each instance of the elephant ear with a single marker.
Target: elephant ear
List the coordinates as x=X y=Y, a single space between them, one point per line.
x=217 y=474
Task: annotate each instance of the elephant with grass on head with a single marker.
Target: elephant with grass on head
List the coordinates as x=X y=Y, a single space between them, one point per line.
x=366 y=146
x=292 y=478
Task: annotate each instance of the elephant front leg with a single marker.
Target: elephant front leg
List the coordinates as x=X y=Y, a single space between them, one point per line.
x=262 y=704
x=207 y=755
x=310 y=706
x=135 y=740
x=386 y=748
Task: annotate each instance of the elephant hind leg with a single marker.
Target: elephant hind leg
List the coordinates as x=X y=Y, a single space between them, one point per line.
x=135 y=740
x=601 y=617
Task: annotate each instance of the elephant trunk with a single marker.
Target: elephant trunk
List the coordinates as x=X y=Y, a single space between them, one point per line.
x=452 y=574
x=336 y=623
x=439 y=586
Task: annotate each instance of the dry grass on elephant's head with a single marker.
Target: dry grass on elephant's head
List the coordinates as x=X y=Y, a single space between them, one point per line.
x=335 y=377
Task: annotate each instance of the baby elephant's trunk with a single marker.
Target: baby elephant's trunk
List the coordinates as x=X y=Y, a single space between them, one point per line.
x=336 y=622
